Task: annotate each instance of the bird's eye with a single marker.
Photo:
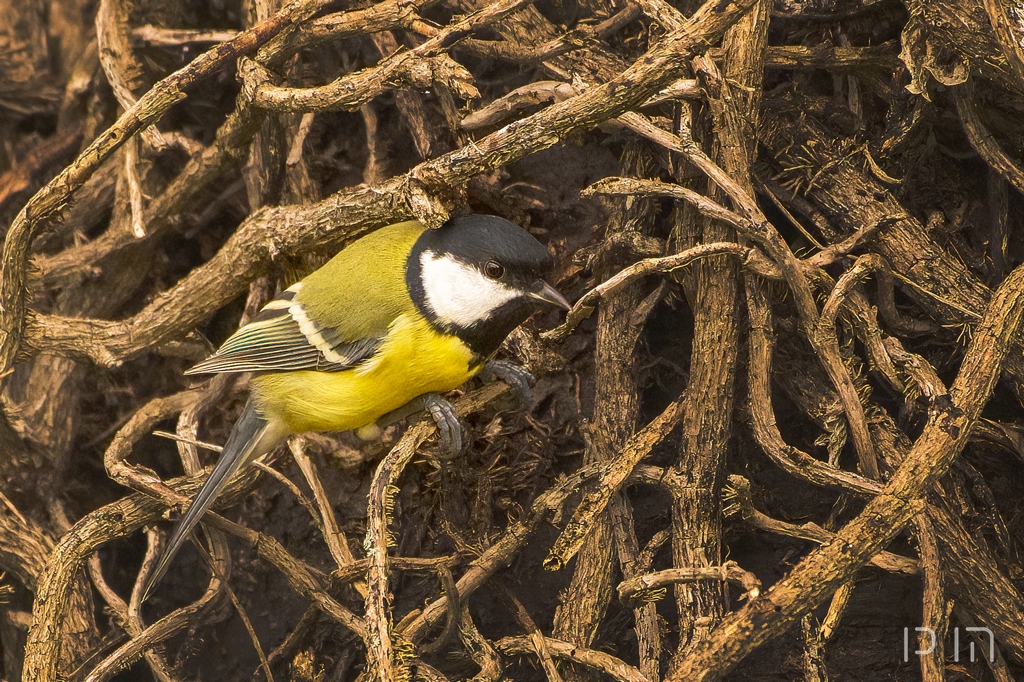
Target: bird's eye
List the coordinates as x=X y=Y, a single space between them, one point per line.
x=493 y=269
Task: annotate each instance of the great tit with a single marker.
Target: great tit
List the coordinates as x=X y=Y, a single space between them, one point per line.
x=396 y=318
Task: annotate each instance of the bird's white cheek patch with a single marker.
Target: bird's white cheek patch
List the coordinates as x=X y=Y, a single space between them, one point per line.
x=459 y=294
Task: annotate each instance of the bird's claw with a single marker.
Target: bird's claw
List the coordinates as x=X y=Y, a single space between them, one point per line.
x=518 y=378
x=449 y=430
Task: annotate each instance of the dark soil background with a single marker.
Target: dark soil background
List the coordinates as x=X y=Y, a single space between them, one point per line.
x=893 y=129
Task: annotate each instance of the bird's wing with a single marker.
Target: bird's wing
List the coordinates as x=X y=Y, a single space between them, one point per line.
x=284 y=337
x=333 y=319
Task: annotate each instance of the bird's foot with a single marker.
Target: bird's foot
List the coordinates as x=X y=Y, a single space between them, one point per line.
x=518 y=378
x=449 y=430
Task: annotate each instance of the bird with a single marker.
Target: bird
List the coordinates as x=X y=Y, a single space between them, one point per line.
x=377 y=334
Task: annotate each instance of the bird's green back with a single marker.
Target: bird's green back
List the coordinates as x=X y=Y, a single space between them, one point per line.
x=363 y=289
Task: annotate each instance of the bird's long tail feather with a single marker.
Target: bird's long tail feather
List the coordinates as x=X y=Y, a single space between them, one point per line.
x=251 y=437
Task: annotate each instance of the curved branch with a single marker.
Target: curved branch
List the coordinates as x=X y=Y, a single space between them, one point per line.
x=292 y=230
x=730 y=571
x=595 y=660
x=40 y=212
x=820 y=573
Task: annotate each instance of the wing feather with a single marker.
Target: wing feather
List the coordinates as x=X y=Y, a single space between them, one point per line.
x=283 y=337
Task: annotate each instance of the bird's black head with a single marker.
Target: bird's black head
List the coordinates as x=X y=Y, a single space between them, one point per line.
x=480 y=277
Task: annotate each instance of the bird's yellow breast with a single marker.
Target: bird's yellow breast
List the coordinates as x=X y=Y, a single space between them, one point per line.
x=413 y=359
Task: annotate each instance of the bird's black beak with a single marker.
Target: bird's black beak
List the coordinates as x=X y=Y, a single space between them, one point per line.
x=545 y=293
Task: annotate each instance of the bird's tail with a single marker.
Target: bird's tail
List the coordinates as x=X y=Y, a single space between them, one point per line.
x=251 y=437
